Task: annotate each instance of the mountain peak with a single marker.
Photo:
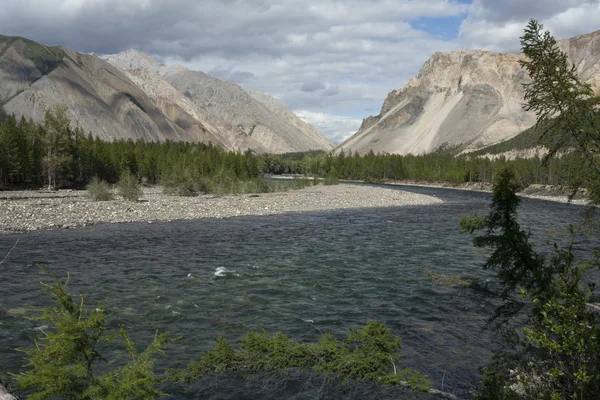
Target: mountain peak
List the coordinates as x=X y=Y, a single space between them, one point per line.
x=471 y=98
x=132 y=59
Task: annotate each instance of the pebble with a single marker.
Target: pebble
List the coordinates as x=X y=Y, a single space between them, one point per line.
x=22 y=211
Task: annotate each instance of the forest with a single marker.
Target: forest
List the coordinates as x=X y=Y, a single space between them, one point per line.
x=52 y=153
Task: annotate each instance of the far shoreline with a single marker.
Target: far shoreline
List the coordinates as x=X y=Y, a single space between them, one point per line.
x=536 y=192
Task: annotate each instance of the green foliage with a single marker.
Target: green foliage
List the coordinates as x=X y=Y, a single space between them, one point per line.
x=557 y=353
x=64 y=361
x=367 y=354
x=528 y=139
x=331 y=180
x=555 y=350
x=443 y=165
x=316 y=180
x=128 y=186
x=56 y=140
x=513 y=257
x=183 y=183
x=260 y=185
x=565 y=106
x=99 y=190
x=57 y=155
x=301 y=183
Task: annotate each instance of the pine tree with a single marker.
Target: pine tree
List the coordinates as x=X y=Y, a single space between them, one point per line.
x=57 y=141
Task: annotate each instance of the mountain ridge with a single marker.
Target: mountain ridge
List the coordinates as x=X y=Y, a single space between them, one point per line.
x=245 y=120
x=471 y=98
x=133 y=99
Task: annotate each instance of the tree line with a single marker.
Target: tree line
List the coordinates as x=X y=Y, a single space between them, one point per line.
x=441 y=165
x=54 y=154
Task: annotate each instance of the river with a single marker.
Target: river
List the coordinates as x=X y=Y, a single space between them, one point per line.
x=303 y=274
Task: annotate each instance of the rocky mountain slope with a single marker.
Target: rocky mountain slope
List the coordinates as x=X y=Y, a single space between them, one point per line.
x=130 y=95
x=246 y=119
x=467 y=97
x=100 y=98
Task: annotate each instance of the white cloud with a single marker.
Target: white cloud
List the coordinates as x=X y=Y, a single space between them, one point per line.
x=497 y=26
x=327 y=57
x=336 y=127
x=330 y=58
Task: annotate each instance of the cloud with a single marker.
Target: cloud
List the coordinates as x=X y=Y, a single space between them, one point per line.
x=327 y=57
x=324 y=56
x=331 y=91
x=312 y=86
x=336 y=127
x=497 y=26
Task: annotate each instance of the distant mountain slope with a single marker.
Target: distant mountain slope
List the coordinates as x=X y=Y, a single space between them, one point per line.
x=257 y=125
x=100 y=98
x=131 y=96
x=290 y=118
x=246 y=119
x=146 y=74
x=467 y=97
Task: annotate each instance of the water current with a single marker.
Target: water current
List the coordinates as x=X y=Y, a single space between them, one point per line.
x=302 y=274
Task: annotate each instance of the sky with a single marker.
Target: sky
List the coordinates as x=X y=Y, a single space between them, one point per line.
x=332 y=62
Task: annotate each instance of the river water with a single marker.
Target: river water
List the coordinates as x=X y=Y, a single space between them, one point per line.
x=303 y=274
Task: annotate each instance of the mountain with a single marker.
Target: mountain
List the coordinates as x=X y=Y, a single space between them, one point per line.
x=100 y=98
x=288 y=117
x=131 y=96
x=246 y=118
x=471 y=98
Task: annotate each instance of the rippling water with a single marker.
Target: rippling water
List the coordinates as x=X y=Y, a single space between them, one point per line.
x=302 y=274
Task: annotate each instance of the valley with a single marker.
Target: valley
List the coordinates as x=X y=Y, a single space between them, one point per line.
x=195 y=238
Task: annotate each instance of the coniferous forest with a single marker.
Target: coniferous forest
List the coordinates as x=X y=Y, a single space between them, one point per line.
x=53 y=154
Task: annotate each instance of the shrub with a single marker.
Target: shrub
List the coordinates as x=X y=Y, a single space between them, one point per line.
x=129 y=188
x=301 y=183
x=99 y=190
x=260 y=185
x=224 y=182
x=331 y=179
x=316 y=181
x=64 y=361
x=370 y=353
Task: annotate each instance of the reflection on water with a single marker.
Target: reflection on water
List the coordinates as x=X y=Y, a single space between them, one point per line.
x=303 y=274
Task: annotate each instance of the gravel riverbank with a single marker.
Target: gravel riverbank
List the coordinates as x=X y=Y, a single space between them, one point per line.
x=540 y=192
x=22 y=211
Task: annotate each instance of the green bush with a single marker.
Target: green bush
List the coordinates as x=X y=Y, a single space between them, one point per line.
x=99 y=190
x=129 y=188
x=316 y=181
x=64 y=361
x=260 y=185
x=224 y=183
x=371 y=353
x=331 y=180
x=301 y=183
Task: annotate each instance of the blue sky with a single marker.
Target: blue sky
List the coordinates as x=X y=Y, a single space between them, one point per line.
x=333 y=62
x=443 y=28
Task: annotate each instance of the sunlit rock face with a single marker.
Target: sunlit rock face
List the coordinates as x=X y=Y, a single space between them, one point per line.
x=472 y=98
